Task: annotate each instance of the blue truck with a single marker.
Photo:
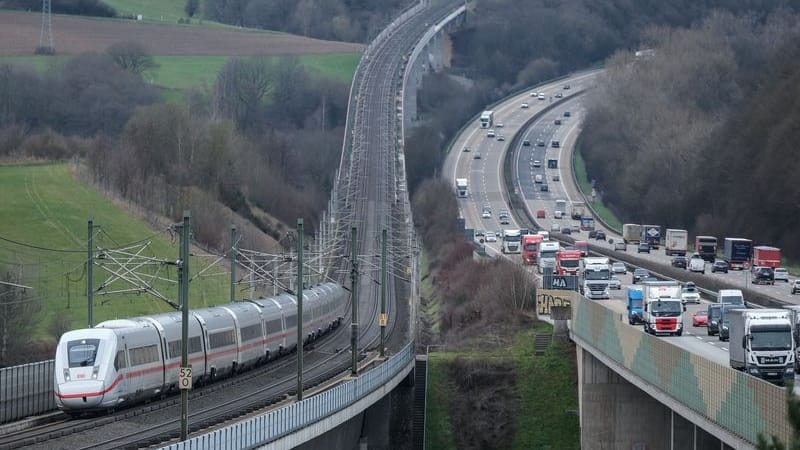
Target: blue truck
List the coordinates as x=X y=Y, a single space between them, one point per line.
x=652 y=235
x=635 y=311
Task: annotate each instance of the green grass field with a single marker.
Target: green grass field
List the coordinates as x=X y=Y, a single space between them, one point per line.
x=185 y=72
x=43 y=206
x=585 y=185
x=152 y=10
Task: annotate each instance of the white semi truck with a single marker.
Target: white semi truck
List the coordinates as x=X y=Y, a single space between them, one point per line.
x=547 y=255
x=631 y=233
x=461 y=187
x=663 y=309
x=676 y=242
x=761 y=343
x=512 y=241
x=595 y=274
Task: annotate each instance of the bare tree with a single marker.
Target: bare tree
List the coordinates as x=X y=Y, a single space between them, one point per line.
x=132 y=56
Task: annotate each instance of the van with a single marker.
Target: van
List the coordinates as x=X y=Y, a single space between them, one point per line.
x=730 y=297
x=714 y=316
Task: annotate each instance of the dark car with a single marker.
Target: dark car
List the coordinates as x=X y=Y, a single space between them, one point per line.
x=679 y=262
x=725 y=320
x=714 y=314
x=763 y=275
x=600 y=235
x=592 y=234
x=567 y=114
x=640 y=275
x=543 y=188
x=719 y=266
x=566 y=230
x=643 y=247
x=526 y=143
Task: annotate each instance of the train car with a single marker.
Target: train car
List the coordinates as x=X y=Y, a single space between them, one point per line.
x=124 y=361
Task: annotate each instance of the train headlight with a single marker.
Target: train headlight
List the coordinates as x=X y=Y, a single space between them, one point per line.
x=66 y=374
x=95 y=369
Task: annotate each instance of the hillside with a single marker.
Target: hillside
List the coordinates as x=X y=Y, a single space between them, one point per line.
x=19 y=35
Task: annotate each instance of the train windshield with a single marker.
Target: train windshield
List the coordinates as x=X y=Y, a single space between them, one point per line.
x=82 y=353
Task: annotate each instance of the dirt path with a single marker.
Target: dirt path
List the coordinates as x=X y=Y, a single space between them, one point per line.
x=19 y=36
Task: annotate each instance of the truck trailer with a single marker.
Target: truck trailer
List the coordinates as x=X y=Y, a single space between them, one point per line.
x=761 y=344
x=766 y=256
x=663 y=309
x=737 y=253
x=578 y=210
x=594 y=275
x=635 y=312
x=652 y=235
x=631 y=233
x=461 y=187
x=676 y=242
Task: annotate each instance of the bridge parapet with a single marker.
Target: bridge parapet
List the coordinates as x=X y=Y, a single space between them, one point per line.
x=727 y=401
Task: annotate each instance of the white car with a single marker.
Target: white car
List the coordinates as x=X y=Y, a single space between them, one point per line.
x=697 y=264
x=537 y=163
x=555 y=227
x=491 y=236
x=499 y=125
x=490 y=133
x=558 y=214
x=534 y=94
x=690 y=294
x=619 y=267
x=524 y=106
x=541 y=96
x=781 y=273
x=614 y=283
x=486 y=214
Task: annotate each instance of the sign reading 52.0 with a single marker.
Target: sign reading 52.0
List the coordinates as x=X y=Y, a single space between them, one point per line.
x=185 y=377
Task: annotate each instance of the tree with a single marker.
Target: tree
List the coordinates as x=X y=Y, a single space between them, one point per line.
x=191 y=7
x=132 y=56
x=17 y=316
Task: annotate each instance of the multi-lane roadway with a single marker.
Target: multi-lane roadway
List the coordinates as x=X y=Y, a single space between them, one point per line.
x=487 y=187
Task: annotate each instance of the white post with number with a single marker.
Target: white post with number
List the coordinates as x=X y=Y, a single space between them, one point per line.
x=185 y=377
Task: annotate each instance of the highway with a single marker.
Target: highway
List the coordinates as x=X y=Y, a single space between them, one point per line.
x=486 y=187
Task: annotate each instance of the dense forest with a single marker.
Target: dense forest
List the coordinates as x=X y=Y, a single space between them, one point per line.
x=701 y=135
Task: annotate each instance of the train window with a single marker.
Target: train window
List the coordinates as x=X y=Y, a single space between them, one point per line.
x=251 y=332
x=119 y=361
x=195 y=346
x=83 y=352
x=274 y=326
x=291 y=321
x=143 y=355
x=221 y=339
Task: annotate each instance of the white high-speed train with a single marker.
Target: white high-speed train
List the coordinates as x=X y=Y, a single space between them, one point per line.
x=123 y=361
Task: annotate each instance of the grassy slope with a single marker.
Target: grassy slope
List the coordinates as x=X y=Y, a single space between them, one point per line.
x=547 y=394
x=44 y=206
x=585 y=186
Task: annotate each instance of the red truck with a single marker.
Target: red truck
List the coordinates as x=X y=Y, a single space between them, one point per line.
x=530 y=248
x=568 y=262
x=766 y=256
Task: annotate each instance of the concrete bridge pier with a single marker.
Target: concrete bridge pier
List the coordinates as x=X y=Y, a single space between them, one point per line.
x=615 y=414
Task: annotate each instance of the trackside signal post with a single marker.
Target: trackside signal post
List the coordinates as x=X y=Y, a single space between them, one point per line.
x=383 y=318
x=183 y=294
x=299 y=309
x=354 y=320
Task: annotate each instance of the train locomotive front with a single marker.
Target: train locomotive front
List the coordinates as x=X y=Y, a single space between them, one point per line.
x=85 y=377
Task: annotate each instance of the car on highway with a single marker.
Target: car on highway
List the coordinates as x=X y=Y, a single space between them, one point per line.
x=501 y=138
x=697 y=264
x=679 y=261
x=465 y=150
x=491 y=134
x=614 y=283
x=690 y=294
x=620 y=247
x=479 y=233
x=541 y=214
x=526 y=143
x=491 y=236
x=763 y=275
x=567 y=114
x=714 y=314
x=534 y=94
x=643 y=247
x=557 y=122
x=555 y=144
x=555 y=227
x=524 y=106
x=700 y=319
x=538 y=178
x=600 y=235
x=476 y=155
x=781 y=274
x=537 y=163
x=619 y=267
x=795 y=286
x=559 y=95
x=544 y=188
x=540 y=96
x=499 y=125
x=566 y=230
x=558 y=214
x=719 y=266
x=566 y=86
x=486 y=214
x=640 y=275
x=556 y=178
x=539 y=143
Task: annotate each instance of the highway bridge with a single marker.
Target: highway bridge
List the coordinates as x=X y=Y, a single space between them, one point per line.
x=635 y=390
